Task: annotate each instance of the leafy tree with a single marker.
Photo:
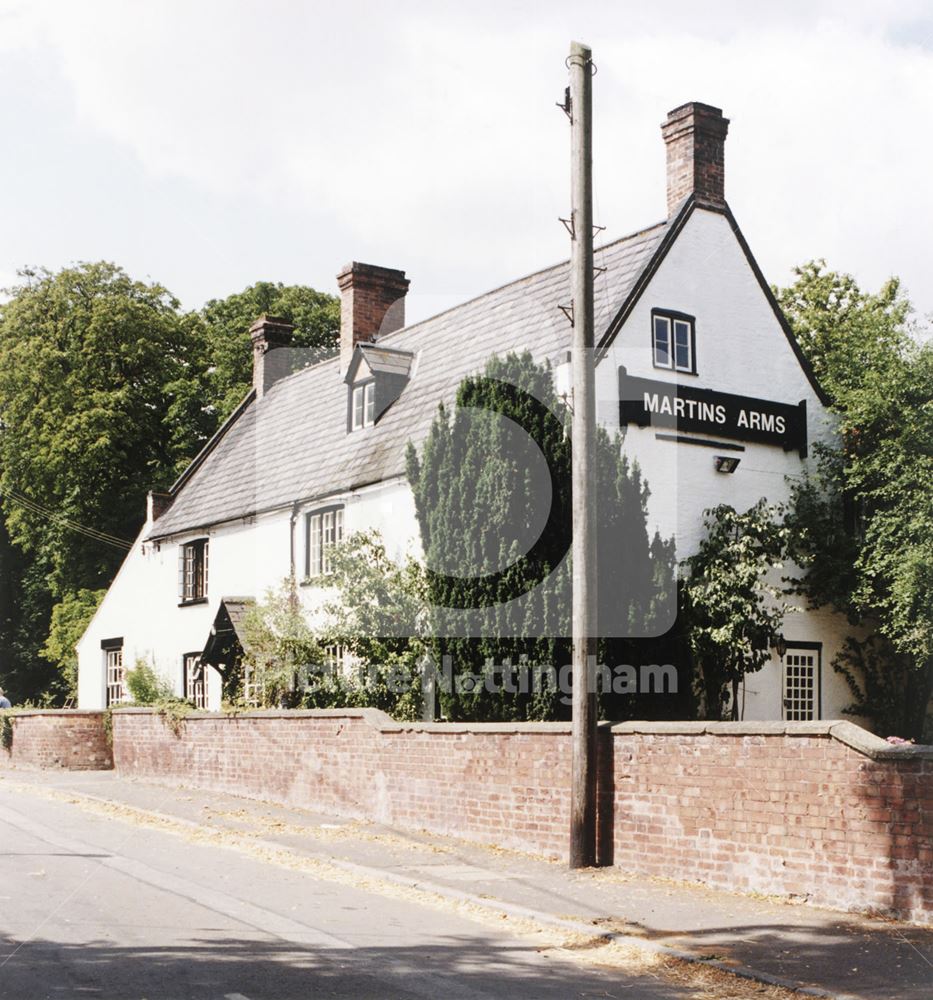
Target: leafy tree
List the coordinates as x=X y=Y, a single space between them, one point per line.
x=99 y=402
x=315 y=315
x=732 y=607
x=863 y=526
x=884 y=684
x=843 y=331
x=379 y=615
x=70 y=618
x=493 y=506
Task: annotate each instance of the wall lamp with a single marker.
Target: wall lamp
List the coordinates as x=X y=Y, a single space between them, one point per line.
x=726 y=463
x=779 y=645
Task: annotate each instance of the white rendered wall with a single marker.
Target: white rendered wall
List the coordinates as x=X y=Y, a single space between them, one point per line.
x=740 y=349
x=247 y=558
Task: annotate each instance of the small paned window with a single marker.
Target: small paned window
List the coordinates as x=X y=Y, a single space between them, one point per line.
x=116 y=675
x=801 y=684
x=195 y=680
x=192 y=571
x=323 y=530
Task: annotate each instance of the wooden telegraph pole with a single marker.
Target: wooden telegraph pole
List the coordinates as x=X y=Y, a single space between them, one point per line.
x=583 y=789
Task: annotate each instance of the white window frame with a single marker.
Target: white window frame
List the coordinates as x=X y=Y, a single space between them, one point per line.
x=362 y=405
x=323 y=530
x=801 y=682
x=115 y=674
x=196 y=691
x=335 y=660
x=673 y=323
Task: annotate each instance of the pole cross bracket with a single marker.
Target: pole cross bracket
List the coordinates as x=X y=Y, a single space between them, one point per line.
x=567 y=106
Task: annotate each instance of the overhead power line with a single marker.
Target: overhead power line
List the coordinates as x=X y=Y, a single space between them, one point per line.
x=37 y=508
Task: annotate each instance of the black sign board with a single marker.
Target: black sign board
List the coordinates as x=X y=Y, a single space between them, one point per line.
x=650 y=403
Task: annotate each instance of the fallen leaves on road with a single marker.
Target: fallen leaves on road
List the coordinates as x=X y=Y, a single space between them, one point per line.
x=706 y=982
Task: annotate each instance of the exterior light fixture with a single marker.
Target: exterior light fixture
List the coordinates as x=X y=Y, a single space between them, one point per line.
x=725 y=463
x=779 y=645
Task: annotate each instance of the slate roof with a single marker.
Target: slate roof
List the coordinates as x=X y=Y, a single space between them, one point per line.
x=293 y=443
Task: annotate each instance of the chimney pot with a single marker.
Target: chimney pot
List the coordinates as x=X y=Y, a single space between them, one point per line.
x=270 y=335
x=695 y=135
x=372 y=302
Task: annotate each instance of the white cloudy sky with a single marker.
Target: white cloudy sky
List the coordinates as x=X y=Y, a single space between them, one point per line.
x=210 y=144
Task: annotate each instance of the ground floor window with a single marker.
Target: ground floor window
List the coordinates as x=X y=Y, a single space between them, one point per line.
x=801 y=683
x=116 y=675
x=252 y=687
x=335 y=659
x=195 y=680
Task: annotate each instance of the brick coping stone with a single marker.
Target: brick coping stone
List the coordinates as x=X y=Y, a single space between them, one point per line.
x=851 y=735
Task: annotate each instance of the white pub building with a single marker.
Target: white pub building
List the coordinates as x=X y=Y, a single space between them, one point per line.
x=697 y=368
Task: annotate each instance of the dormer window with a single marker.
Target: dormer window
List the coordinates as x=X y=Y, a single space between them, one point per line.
x=363 y=405
x=375 y=379
x=673 y=341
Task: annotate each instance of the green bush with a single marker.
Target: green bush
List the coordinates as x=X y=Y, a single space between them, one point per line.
x=146 y=687
x=6 y=731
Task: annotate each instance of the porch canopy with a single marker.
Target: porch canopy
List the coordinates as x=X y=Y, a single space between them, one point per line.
x=225 y=644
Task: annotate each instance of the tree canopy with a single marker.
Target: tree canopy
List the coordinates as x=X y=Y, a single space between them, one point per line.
x=315 y=316
x=863 y=526
x=101 y=400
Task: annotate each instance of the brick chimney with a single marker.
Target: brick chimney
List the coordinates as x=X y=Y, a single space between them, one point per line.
x=695 y=135
x=157 y=503
x=372 y=302
x=271 y=362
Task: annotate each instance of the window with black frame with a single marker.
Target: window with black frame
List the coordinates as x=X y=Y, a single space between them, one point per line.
x=323 y=531
x=195 y=680
x=673 y=341
x=192 y=571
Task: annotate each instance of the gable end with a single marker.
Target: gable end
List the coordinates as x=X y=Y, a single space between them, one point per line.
x=673 y=231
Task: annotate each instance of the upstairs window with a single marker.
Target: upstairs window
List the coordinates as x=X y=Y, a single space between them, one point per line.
x=673 y=341
x=362 y=405
x=375 y=378
x=323 y=530
x=192 y=572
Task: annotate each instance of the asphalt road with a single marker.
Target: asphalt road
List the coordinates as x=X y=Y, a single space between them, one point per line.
x=94 y=907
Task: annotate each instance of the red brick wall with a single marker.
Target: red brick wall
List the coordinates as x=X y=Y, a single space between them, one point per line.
x=822 y=811
x=76 y=741
x=804 y=816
